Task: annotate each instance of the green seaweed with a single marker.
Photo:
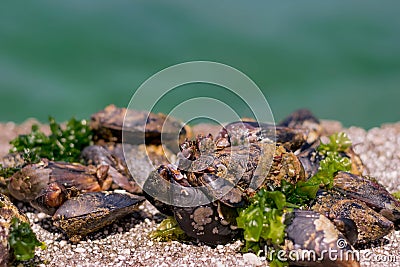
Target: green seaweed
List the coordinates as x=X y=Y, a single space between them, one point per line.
x=332 y=163
x=262 y=222
x=23 y=240
x=338 y=142
x=8 y=171
x=168 y=230
x=396 y=195
x=61 y=145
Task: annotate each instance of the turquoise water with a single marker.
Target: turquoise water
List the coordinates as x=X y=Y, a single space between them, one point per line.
x=340 y=59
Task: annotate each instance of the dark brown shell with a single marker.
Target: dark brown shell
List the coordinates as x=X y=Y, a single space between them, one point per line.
x=369 y=225
x=117 y=169
x=212 y=224
x=304 y=119
x=50 y=198
x=89 y=212
x=238 y=132
x=311 y=231
x=370 y=192
x=28 y=183
x=139 y=126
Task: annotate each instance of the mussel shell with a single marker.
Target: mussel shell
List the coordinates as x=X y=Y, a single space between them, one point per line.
x=89 y=212
x=310 y=159
x=212 y=224
x=156 y=183
x=142 y=160
x=50 y=198
x=113 y=158
x=27 y=183
x=84 y=178
x=304 y=119
x=370 y=192
x=138 y=126
x=222 y=189
x=298 y=118
x=310 y=231
x=249 y=131
x=370 y=225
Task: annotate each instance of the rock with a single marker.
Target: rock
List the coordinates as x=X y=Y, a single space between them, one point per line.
x=252 y=259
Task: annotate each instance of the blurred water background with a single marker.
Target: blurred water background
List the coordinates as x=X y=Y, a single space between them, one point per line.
x=341 y=59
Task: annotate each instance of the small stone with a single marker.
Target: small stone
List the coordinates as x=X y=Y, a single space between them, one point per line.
x=126 y=251
x=80 y=250
x=41 y=215
x=121 y=257
x=252 y=259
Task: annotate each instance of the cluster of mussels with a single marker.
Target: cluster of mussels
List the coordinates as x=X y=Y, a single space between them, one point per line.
x=86 y=196
x=227 y=170
x=246 y=156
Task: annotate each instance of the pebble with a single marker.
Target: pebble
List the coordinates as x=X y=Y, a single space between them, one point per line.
x=147 y=255
x=121 y=257
x=252 y=259
x=80 y=250
x=126 y=251
x=41 y=215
